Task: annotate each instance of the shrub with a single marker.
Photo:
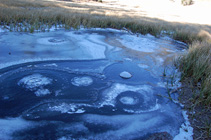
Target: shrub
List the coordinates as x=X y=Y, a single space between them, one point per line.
x=186 y=2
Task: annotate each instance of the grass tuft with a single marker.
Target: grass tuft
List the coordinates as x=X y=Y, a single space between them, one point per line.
x=196 y=64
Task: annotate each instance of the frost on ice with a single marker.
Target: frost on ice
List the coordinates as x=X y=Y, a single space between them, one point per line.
x=143 y=44
x=42 y=92
x=36 y=82
x=82 y=81
x=68 y=108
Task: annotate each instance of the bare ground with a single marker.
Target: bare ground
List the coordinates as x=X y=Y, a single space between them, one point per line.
x=199 y=115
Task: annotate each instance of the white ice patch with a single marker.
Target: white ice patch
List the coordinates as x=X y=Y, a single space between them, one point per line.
x=109 y=96
x=68 y=108
x=128 y=59
x=92 y=44
x=186 y=131
x=125 y=75
x=34 y=81
x=128 y=100
x=22 y=61
x=159 y=60
x=143 y=66
x=82 y=81
x=51 y=65
x=141 y=43
x=161 y=84
x=52 y=41
x=10 y=125
x=42 y=92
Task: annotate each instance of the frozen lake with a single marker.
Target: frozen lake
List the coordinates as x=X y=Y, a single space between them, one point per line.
x=67 y=85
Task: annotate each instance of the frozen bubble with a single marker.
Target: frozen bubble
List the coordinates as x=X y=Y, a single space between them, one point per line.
x=42 y=92
x=128 y=100
x=82 y=81
x=34 y=81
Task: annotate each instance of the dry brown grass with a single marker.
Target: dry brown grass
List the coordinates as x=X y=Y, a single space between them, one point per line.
x=196 y=95
x=197 y=64
x=92 y=14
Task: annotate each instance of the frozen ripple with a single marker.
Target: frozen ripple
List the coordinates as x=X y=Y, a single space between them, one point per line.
x=143 y=93
x=34 y=81
x=82 y=81
x=52 y=41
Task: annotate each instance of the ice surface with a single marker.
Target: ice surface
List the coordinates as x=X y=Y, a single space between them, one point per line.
x=52 y=41
x=82 y=81
x=142 y=43
x=154 y=108
x=74 y=128
x=1 y=30
x=34 y=81
x=55 y=45
x=51 y=65
x=10 y=125
x=143 y=66
x=127 y=126
x=122 y=111
x=90 y=43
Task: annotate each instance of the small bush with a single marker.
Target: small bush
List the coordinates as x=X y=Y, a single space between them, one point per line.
x=186 y=2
